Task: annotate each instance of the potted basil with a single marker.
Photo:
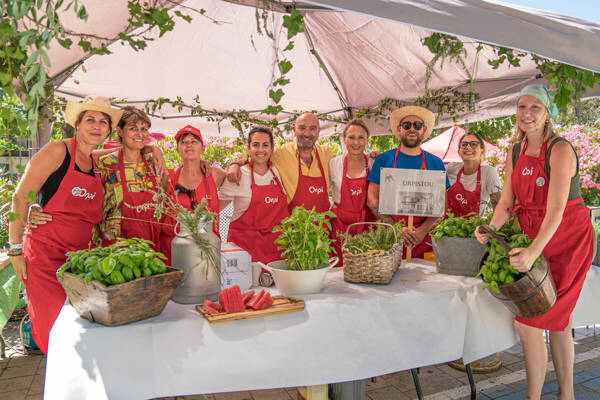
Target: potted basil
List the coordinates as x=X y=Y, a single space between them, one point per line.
x=305 y=246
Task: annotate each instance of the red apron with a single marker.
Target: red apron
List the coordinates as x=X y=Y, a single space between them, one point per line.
x=351 y=208
x=419 y=250
x=311 y=191
x=207 y=189
x=137 y=210
x=75 y=208
x=462 y=201
x=252 y=231
x=571 y=248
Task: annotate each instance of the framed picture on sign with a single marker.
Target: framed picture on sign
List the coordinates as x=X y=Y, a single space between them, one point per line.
x=414 y=192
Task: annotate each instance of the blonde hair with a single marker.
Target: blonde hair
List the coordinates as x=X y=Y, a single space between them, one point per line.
x=520 y=135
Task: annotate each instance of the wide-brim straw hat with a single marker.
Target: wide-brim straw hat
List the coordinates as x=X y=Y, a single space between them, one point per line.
x=91 y=103
x=427 y=116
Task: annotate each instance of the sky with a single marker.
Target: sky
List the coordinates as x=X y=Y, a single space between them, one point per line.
x=584 y=9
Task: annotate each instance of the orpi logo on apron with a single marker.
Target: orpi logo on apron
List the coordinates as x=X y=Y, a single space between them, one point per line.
x=460 y=198
x=271 y=200
x=82 y=192
x=356 y=192
x=527 y=171
x=315 y=190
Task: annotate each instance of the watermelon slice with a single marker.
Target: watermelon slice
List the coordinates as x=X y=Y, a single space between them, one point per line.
x=265 y=302
x=256 y=299
x=216 y=306
x=247 y=296
x=235 y=303
x=222 y=299
x=211 y=310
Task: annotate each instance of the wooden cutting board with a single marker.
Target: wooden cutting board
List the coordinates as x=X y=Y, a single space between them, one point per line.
x=281 y=305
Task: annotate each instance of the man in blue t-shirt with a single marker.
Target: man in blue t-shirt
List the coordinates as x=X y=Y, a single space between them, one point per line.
x=412 y=125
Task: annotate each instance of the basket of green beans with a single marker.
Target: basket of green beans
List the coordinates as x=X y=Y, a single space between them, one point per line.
x=374 y=255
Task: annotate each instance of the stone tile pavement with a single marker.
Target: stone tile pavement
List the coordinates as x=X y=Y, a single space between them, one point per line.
x=22 y=377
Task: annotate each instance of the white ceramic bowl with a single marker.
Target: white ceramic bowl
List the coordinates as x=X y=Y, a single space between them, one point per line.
x=298 y=282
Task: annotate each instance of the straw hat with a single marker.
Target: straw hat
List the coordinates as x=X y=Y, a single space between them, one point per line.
x=427 y=116
x=91 y=103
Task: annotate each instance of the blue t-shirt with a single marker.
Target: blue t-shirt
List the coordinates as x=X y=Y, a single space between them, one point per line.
x=386 y=160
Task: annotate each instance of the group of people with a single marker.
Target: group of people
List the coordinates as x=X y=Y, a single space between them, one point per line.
x=87 y=194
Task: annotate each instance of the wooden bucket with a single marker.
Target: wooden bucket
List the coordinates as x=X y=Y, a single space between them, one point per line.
x=532 y=295
x=120 y=304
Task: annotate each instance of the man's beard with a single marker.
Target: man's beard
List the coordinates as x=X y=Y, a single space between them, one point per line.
x=411 y=143
x=303 y=144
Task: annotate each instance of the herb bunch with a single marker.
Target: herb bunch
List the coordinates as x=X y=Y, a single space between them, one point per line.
x=381 y=238
x=304 y=239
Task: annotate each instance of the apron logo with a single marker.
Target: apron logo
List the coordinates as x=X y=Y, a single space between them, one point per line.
x=540 y=181
x=82 y=192
x=314 y=190
x=271 y=200
x=356 y=192
x=142 y=207
x=527 y=171
x=460 y=198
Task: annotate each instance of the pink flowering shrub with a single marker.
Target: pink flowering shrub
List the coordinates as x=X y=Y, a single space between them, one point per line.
x=218 y=151
x=585 y=140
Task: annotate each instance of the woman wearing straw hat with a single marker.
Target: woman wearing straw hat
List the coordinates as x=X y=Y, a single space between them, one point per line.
x=63 y=175
x=543 y=181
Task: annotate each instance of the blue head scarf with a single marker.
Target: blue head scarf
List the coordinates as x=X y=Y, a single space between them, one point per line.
x=541 y=93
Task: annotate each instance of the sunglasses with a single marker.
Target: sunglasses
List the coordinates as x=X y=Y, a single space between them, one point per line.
x=417 y=125
x=473 y=144
x=189 y=192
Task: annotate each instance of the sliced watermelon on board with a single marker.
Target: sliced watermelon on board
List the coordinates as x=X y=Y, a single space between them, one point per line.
x=265 y=302
x=211 y=310
x=255 y=300
x=247 y=296
x=216 y=306
x=234 y=300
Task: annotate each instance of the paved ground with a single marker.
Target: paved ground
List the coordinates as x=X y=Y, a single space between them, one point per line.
x=22 y=377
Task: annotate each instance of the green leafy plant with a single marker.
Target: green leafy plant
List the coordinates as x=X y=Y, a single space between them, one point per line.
x=496 y=270
x=191 y=221
x=304 y=239
x=379 y=238
x=121 y=262
x=460 y=227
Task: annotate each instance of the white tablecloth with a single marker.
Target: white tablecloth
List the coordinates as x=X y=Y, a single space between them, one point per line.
x=346 y=332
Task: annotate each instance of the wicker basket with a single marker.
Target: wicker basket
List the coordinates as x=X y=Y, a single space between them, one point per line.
x=374 y=266
x=120 y=304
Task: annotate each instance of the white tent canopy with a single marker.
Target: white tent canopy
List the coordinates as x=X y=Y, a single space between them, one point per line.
x=361 y=59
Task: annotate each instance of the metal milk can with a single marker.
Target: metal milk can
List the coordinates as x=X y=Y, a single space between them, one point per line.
x=201 y=281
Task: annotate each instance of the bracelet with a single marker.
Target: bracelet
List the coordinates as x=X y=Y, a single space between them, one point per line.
x=14 y=252
x=15 y=246
x=236 y=163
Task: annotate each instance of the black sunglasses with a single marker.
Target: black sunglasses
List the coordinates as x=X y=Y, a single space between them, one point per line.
x=417 y=125
x=473 y=144
x=189 y=192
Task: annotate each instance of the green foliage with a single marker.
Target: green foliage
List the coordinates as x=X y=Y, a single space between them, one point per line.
x=460 y=227
x=381 y=238
x=121 y=262
x=383 y=143
x=492 y=129
x=566 y=82
x=304 y=239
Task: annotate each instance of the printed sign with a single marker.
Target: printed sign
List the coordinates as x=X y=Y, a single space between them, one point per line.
x=414 y=192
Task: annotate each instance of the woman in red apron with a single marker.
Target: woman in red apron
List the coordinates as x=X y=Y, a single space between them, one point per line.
x=265 y=204
x=188 y=185
x=544 y=183
x=348 y=177
x=462 y=201
x=130 y=184
x=64 y=176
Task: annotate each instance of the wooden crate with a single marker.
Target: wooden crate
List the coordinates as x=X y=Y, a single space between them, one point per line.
x=121 y=304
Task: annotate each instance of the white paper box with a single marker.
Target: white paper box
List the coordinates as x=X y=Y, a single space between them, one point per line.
x=236 y=267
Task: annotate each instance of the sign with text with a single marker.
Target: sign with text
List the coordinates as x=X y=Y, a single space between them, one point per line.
x=416 y=192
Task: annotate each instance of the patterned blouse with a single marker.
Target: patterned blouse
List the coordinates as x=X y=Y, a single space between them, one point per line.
x=137 y=181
